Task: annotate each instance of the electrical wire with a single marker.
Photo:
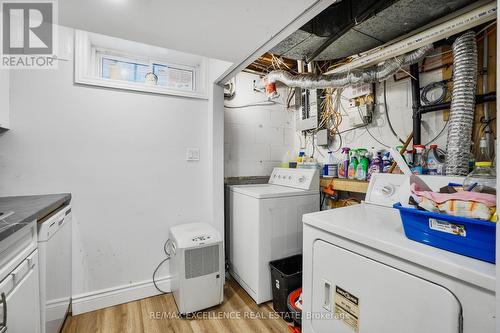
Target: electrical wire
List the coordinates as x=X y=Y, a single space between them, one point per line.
x=374 y=138
x=389 y=118
x=438 y=135
x=165 y=249
x=431 y=86
x=263 y=103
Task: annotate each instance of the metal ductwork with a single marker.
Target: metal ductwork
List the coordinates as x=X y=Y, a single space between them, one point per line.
x=343 y=79
x=462 y=104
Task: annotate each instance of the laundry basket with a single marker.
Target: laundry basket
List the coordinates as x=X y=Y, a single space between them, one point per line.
x=470 y=237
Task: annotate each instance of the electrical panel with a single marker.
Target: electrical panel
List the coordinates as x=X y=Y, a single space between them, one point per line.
x=307 y=102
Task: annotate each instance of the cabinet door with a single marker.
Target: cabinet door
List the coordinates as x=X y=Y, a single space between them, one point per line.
x=353 y=293
x=22 y=306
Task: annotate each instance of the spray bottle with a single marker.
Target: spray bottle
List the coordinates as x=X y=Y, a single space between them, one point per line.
x=375 y=164
x=344 y=164
x=362 y=168
x=353 y=164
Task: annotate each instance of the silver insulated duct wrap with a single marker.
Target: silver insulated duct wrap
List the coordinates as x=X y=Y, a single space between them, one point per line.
x=462 y=104
x=346 y=78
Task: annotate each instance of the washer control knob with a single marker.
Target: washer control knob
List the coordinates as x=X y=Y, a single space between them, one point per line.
x=302 y=179
x=388 y=190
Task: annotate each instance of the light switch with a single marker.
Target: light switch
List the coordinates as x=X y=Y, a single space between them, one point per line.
x=193 y=154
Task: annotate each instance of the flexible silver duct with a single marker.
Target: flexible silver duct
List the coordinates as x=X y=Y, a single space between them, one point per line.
x=355 y=76
x=462 y=104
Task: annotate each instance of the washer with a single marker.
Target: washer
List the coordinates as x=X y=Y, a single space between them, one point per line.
x=266 y=224
x=359 y=265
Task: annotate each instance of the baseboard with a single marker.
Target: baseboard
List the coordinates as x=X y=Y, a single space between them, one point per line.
x=104 y=298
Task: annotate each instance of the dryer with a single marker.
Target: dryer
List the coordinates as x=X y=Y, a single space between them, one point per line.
x=361 y=274
x=266 y=224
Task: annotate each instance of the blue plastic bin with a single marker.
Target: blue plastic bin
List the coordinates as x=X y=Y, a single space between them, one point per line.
x=469 y=237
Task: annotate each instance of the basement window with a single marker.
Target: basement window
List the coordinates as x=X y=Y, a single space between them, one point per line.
x=117 y=63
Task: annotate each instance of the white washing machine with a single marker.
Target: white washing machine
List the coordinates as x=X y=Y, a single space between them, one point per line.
x=266 y=224
x=361 y=274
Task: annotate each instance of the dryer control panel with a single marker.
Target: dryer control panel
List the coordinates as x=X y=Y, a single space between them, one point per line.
x=386 y=189
x=304 y=179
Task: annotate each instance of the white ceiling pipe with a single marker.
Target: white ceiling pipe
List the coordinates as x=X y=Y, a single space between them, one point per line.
x=467 y=20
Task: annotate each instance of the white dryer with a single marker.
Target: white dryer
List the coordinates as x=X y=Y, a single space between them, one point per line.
x=361 y=274
x=266 y=224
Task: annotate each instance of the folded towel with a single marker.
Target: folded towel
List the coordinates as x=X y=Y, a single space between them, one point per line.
x=439 y=198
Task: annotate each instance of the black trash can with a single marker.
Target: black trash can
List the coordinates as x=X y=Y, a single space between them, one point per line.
x=286 y=276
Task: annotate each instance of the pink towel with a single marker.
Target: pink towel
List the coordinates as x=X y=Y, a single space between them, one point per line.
x=484 y=198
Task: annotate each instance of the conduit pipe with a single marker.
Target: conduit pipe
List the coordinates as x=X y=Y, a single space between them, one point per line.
x=462 y=104
x=343 y=79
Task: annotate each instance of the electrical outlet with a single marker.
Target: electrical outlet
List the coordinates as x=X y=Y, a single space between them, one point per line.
x=193 y=154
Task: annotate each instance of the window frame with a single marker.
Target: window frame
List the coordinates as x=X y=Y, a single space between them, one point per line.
x=88 y=69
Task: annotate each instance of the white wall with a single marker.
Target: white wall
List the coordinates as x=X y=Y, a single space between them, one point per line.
x=122 y=156
x=256 y=138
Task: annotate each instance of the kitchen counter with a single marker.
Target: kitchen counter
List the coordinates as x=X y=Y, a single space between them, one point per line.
x=28 y=209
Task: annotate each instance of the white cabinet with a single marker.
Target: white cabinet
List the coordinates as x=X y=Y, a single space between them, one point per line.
x=20 y=299
x=4 y=99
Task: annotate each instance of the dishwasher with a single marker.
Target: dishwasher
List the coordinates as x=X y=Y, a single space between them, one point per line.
x=54 y=248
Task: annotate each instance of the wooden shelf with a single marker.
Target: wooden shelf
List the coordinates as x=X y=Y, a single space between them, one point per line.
x=348 y=185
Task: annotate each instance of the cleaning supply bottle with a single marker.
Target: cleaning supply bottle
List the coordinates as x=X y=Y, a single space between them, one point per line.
x=353 y=164
x=483 y=179
x=434 y=162
x=409 y=157
x=419 y=162
x=484 y=154
x=375 y=164
x=364 y=162
x=300 y=158
x=332 y=166
x=344 y=164
x=285 y=162
x=386 y=162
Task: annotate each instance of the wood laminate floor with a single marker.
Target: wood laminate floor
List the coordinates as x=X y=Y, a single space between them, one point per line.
x=238 y=313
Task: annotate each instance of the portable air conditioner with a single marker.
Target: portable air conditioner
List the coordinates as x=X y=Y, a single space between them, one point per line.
x=197 y=267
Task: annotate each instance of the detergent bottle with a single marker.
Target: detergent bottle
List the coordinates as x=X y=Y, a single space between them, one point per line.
x=434 y=162
x=353 y=164
x=419 y=164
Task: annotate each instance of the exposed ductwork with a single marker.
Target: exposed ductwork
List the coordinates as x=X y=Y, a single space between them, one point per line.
x=343 y=79
x=350 y=27
x=462 y=104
